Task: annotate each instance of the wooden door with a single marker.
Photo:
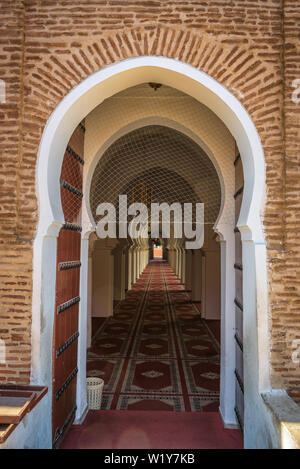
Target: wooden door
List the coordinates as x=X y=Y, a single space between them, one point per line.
x=65 y=334
x=239 y=372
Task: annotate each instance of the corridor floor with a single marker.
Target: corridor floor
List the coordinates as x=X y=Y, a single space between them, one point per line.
x=156 y=353
x=160 y=365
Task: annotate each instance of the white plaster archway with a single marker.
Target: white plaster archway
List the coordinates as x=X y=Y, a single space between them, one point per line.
x=73 y=108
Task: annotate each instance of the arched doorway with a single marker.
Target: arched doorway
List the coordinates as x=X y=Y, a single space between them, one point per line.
x=55 y=138
x=153 y=163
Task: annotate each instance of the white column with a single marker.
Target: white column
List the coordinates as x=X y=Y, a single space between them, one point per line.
x=179 y=262
x=103 y=278
x=81 y=399
x=119 y=272
x=133 y=268
x=177 y=259
x=89 y=300
x=172 y=258
x=183 y=261
x=197 y=275
x=227 y=385
x=137 y=262
x=188 y=268
x=129 y=267
x=211 y=284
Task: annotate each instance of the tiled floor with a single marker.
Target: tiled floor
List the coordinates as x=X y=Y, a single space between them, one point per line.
x=156 y=353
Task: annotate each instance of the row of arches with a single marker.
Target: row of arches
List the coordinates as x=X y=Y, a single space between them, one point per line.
x=126 y=259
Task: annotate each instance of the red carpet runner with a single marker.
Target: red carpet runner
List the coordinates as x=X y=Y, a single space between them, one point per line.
x=156 y=353
x=119 y=429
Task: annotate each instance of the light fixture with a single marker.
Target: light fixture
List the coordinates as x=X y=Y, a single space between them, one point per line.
x=155 y=86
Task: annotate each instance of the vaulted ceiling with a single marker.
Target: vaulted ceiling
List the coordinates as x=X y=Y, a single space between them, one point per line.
x=156 y=164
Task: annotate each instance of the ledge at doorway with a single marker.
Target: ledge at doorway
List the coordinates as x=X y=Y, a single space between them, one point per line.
x=286 y=415
x=16 y=401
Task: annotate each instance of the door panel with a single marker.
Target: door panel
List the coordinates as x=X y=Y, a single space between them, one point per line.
x=65 y=334
x=239 y=406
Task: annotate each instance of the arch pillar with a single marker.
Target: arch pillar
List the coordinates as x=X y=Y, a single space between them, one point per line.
x=211 y=276
x=91 y=241
x=138 y=255
x=145 y=243
x=197 y=275
x=183 y=261
x=227 y=384
x=188 y=269
x=172 y=254
x=134 y=261
x=165 y=243
x=103 y=279
x=119 y=270
x=128 y=264
x=178 y=258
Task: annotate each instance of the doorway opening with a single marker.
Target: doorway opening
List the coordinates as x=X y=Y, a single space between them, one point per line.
x=54 y=220
x=165 y=355
x=157 y=250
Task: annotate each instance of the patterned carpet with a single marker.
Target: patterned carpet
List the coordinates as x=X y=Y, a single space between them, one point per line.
x=156 y=353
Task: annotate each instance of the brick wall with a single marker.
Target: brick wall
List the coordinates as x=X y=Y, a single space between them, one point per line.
x=15 y=248
x=249 y=46
x=285 y=287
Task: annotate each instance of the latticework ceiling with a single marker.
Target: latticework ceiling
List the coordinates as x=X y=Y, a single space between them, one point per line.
x=156 y=164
